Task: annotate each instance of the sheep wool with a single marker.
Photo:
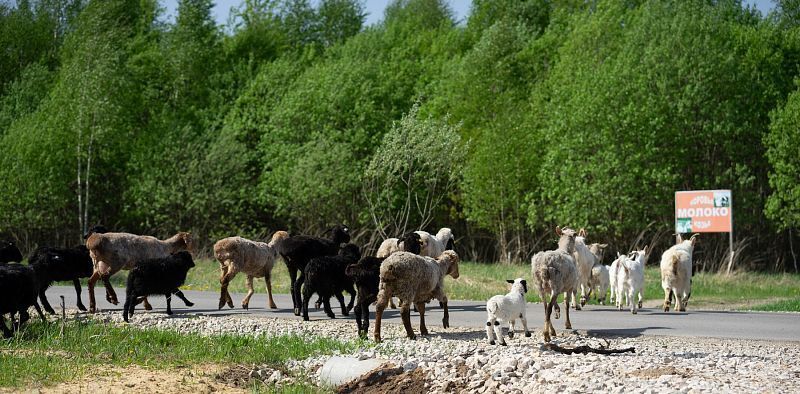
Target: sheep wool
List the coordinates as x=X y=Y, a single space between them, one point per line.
x=554 y=272
x=507 y=308
x=676 y=273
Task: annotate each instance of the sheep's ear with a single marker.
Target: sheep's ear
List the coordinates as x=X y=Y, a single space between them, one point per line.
x=603 y=246
x=524 y=285
x=582 y=232
x=678 y=238
x=694 y=239
x=645 y=249
x=510 y=281
x=558 y=231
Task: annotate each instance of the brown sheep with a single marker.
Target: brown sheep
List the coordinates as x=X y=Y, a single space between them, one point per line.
x=112 y=252
x=255 y=259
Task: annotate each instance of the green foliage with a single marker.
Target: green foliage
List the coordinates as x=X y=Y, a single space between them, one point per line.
x=783 y=153
x=415 y=169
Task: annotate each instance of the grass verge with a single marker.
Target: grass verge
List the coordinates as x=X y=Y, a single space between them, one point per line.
x=40 y=355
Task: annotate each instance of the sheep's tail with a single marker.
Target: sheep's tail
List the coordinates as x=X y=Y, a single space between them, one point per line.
x=491 y=307
x=675 y=261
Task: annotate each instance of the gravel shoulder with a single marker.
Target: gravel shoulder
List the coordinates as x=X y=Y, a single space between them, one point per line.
x=460 y=360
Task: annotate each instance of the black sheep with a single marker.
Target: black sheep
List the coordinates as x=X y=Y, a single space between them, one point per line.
x=325 y=276
x=298 y=250
x=18 y=290
x=157 y=276
x=57 y=264
x=366 y=276
x=9 y=252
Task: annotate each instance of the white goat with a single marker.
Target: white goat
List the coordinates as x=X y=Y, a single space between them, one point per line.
x=600 y=282
x=434 y=246
x=613 y=271
x=676 y=273
x=507 y=308
x=630 y=280
x=584 y=261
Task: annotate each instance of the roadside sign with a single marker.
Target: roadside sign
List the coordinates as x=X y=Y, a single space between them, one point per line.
x=703 y=211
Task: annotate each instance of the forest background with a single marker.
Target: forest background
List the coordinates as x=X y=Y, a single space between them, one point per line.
x=528 y=115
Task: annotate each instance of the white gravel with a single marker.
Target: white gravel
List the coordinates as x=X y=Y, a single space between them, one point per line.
x=460 y=359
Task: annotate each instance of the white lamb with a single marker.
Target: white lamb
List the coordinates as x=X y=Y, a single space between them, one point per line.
x=507 y=308
x=630 y=280
x=676 y=273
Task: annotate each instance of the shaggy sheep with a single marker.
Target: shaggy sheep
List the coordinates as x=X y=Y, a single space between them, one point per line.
x=434 y=246
x=298 y=250
x=18 y=289
x=630 y=280
x=414 y=279
x=613 y=271
x=507 y=308
x=57 y=264
x=600 y=282
x=9 y=252
x=554 y=273
x=254 y=259
x=676 y=273
x=410 y=242
x=326 y=277
x=112 y=252
x=366 y=277
x=162 y=275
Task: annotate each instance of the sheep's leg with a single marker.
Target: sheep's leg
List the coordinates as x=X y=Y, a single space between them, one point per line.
x=498 y=332
x=423 y=330
x=77 y=284
x=446 y=318
x=361 y=331
x=567 y=323
x=340 y=297
x=575 y=302
x=641 y=297
x=111 y=295
x=405 y=316
x=46 y=304
x=169 y=303
x=147 y=305
x=380 y=306
x=352 y=292
x=228 y=272
x=296 y=291
x=490 y=330
x=6 y=331
x=90 y=288
x=326 y=302
x=511 y=323
x=180 y=295
x=525 y=324
x=39 y=312
x=268 y=280
x=548 y=311
x=630 y=295
x=306 y=297
x=667 y=298
x=318 y=302
x=129 y=306
x=557 y=309
x=246 y=300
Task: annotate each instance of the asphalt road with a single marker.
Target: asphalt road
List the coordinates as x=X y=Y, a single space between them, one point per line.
x=593 y=319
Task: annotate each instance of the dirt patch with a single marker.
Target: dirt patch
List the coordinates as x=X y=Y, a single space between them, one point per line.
x=135 y=379
x=412 y=382
x=655 y=373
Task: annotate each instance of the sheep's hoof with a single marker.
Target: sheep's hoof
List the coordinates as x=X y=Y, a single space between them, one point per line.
x=503 y=343
x=583 y=301
x=273 y=306
x=245 y=306
x=423 y=332
x=557 y=314
x=92 y=310
x=169 y=312
x=345 y=313
x=546 y=336
x=221 y=304
x=446 y=323
x=527 y=334
x=491 y=342
x=297 y=311
x=640 y=305
x=148 y=307
x=412 y=337
x=511 y=334
x=230 y=304
x=377 y=338
x=305 y=318
x=190 y=303
x=317 y=305
x=666 y=308
x=80 y=306
x=682 y=309
x=331 y=315
x=634 y=312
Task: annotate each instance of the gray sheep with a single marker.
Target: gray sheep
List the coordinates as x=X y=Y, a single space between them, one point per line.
x=554 y=272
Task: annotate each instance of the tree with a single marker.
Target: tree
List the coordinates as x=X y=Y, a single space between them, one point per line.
x=416 y=168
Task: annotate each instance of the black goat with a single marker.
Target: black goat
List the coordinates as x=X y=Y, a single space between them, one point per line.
x=157 y=276
x=18 y=290
x=57 y=264
x=9 y=252
x=325 y=276
x=298 y=250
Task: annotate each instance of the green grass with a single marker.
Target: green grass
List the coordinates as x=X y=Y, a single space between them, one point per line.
x=40 y=355
x=792 y=305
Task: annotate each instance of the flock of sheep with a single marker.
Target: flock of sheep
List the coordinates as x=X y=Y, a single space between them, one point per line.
x=411 y=268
